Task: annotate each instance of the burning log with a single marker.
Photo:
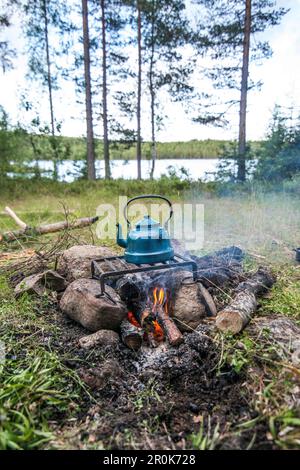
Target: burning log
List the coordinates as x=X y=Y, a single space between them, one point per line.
x=174 y=336
x=235 y=316
x=132 y=335
x=26 y=231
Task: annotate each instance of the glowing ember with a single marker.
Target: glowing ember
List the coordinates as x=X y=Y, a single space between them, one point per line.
x=133 y=320
x=158 y=333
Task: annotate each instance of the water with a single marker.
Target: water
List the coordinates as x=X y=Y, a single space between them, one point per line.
x=195 y=169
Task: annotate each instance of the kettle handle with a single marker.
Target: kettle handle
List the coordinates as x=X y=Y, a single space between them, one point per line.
x=144 y=196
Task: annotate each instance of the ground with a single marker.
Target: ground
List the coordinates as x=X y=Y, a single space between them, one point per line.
x=242 y=392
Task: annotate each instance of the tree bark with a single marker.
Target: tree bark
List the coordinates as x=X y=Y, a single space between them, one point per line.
x=152 y=98
x=174 y=336
x=235 y=316
x=139 y=93
x=241 y=176
x=104 y=94
x=88 y=94
x=43 y=229
x=49 y=84
x=131 y=335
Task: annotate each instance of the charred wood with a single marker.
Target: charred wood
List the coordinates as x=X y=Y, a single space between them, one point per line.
x=132 y=336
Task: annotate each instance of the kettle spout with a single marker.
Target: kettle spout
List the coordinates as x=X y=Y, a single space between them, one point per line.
x=120 y=240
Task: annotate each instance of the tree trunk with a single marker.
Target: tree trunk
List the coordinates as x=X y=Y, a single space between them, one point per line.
x=49 y=83
x=152 y=99
x=241 y=176
x=88 y=94
x=104 y=95
x=139 y=94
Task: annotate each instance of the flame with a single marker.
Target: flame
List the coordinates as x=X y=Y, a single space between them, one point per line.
x=158 y=333
x=160 y=297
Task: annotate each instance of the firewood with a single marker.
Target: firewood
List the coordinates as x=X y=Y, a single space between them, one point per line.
x=131 y=335
x=238 y=313
x=174 y=336
x=235 y=316
x=208 y=301
x=27 y=231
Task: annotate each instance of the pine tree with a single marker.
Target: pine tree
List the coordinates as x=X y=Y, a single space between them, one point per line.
x=139 y=91
x=91 y=172
x=225 y=31
x=41 y=16
x=165 y=31
x=7 y=53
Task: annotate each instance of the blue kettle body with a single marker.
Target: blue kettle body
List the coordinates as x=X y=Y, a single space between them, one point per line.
x=148 y=242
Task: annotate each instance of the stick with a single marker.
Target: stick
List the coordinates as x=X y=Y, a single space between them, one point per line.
x=44 y=229
x=14 y=216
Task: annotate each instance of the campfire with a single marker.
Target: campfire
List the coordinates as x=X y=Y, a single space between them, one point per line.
x=152 y=305
x=159 y=303
x=153 y=320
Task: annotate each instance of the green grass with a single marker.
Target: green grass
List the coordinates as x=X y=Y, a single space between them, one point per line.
x=284 y=298
x=36 y=388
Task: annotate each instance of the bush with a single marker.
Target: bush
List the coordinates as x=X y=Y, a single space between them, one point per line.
x=279 y=157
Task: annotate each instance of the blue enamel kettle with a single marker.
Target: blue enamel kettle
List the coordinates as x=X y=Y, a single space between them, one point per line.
x=148 y=242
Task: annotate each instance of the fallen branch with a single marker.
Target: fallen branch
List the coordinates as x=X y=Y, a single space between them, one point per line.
x=235 y=316
x=14 y=216
x=27 y=231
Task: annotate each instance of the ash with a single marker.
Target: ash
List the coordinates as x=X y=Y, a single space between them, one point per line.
x=167 y=362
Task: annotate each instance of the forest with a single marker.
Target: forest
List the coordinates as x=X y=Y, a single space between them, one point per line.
x=149 y=227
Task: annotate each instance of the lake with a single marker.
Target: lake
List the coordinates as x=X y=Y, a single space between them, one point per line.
x=194 y=168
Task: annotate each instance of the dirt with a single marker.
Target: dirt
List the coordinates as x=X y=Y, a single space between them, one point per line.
x=152 y=399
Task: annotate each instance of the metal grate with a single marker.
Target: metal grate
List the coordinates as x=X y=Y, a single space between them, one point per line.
x=177 y=261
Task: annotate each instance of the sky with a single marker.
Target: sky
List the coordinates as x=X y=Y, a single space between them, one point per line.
x=280 y=76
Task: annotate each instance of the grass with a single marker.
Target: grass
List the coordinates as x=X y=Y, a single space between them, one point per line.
x=206 y=440
x=284 y=298
x=36 y=388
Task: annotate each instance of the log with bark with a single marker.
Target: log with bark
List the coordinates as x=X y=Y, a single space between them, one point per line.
x=131 y=335
x=235 y=316
x=27 y=231
x=174 y=336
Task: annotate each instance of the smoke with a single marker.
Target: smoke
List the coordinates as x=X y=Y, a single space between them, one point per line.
x=266 y=225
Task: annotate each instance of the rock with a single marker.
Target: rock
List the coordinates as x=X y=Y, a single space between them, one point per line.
x=41 y=283
x=97 y=378
x=189 y=308
x=82 y=302
x=100 y=338
x=75 y=263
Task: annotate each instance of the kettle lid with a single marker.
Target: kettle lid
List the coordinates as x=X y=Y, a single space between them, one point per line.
x=147 y=223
